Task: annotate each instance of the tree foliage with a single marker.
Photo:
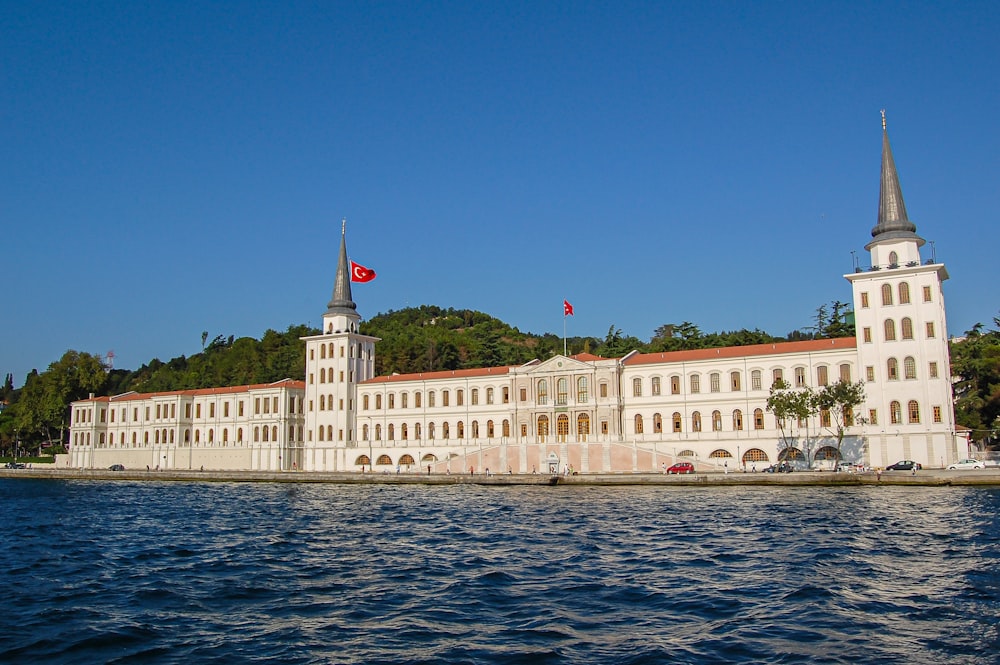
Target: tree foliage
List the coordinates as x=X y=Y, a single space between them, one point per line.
x=975 y=365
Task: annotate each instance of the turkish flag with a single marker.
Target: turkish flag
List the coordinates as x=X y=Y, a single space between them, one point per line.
x=359 y=273
x=567 y=308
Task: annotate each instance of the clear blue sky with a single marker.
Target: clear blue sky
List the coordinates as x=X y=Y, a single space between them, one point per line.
x=170 y=168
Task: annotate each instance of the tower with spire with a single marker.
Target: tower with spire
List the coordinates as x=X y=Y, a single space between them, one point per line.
x=337 y=360
x=902 y=338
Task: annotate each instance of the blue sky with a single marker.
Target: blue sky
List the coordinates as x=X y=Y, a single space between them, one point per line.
x=170 y=168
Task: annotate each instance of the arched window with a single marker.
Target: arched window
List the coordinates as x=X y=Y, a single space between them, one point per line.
x=886 y=294
x=716 y=421
x=562 y=424
x=416 y=431
x=543 y=391
x=637 y=387
x=906 y=328
x=895 y=413
x=696 y=422
x=909 y=368
x=758 y=419
x=460 y=397
x=695 y=383
x=562 y=392
x=430 y=399
x=446 y=431
x=657 y=424
x=475 y=429
x=893 y=259
x=445 y=398
x=489 y=395
x=364 y=432
x=404 y=432
x=713 y=381
x=737 y=420
x=675 y=385
x=506 y=428
x=378 y=432
x=845 y=372
x=430 y=430
x=890 y=330
x=735 y=383
x=755 y=380
x=904 y=293
x=822 y=375
x=582 y=391
x=676 y=420
x=654 y=385
x=913 y=410
x=384 y=459
x=638 y=424
x=543 y=426
x=474 y=396
x=378 y=402
x=392 y=432
x=489 y=429
x=892 y=368
x=417 y=400
x=582 y=424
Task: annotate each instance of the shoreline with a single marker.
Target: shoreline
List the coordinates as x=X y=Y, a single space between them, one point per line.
x=932 y=478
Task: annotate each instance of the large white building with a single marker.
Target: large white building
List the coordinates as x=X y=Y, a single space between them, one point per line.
x=631 y=414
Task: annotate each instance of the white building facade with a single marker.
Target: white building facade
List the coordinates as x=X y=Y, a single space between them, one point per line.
x=639 y=413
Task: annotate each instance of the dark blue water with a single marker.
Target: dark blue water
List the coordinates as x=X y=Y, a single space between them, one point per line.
x=119 y=572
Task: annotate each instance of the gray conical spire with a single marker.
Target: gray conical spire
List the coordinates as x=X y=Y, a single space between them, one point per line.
x=341 y=303
x=892 y=220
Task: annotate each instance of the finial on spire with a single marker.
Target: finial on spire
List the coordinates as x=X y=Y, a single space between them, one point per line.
x=343 y=222
x=883 y=120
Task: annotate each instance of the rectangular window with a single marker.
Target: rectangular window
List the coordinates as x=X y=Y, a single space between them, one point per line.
x=937 y=413
x=864 y=299
x=695 y=384
x=822 y=378
x=930 y=329
x=604 y=390
x=800 y=377
x=655 y=387
x=933 y=369
x=873 y=416
x=870 y=373
x=734 y=380
x=197 y=410
x=211 y=410
x=187 y=410
x=755 y=380
x=714 y=381
x=776 y=376
x=675 y=385
x=604 y=427
x=927 y=294
x=866 y=335
x=524 y=394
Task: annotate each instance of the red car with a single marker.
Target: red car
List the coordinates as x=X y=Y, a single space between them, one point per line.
x=681 y=467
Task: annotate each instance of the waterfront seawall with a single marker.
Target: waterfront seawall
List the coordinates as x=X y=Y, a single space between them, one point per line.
x=932 y=477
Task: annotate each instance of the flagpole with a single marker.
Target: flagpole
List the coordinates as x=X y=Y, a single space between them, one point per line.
x=564 y=331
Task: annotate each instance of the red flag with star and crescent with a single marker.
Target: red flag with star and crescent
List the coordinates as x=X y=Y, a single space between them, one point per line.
x=567 y=308
x=359 y=273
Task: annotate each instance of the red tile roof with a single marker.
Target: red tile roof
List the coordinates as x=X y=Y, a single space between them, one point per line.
x=197 y=392
x=778 y=348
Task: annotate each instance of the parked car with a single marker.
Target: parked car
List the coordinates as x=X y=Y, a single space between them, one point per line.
x=15 y=465
x=847 y=467
x=681 y=467
x=116 y=467
x=904 y=465
x=967 y=464
x=781 y=467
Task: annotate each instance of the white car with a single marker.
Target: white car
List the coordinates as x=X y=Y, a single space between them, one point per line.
x=968 y=464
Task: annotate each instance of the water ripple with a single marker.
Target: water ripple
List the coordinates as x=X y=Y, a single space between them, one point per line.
x=221 y=573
